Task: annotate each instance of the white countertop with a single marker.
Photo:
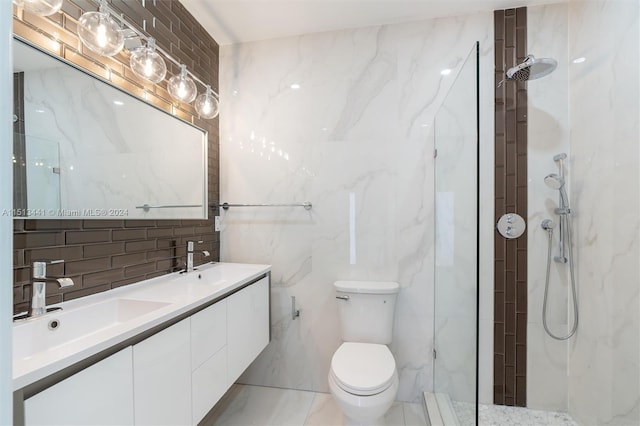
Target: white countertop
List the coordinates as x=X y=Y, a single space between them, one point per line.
x=173 y=294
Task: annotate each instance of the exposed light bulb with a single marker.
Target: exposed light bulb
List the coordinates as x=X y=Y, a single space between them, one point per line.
x=40 y=7
x=208 y=107
x=146 y=63
x=181 y=87
x=100 y=32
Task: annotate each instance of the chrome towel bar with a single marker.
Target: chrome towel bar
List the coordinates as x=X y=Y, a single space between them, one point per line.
x=307 y=205
x=147 y=207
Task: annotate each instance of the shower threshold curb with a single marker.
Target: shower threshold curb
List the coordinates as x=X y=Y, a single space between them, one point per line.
x=439 y=410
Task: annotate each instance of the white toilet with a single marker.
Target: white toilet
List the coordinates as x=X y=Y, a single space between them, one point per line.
x=363 y=377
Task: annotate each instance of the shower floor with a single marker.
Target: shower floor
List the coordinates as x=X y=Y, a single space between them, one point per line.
x=500 y=415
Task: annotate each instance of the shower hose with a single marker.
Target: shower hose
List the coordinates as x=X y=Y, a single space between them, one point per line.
x=573 y=284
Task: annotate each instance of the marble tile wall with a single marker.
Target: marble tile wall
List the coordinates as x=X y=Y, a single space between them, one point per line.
x=604 y=358
x=548 y=135
x=358 y=128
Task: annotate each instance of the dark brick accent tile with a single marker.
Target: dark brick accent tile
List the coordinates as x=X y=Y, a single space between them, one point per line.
x=159 y=254
x=101 y=278
x=66 y=253
x=18 y=257
x=101 y=250
x=90 y=265
x=41 y=239
x=51 y=224
x=83 y=237
x=139 y=223
x=129 y=234
x=140 y=245
x=510 y=256
x=128 y=259
x=102 y=224
x=164 y=265
x=159 y=232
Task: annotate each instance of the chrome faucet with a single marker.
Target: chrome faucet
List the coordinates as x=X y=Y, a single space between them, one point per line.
x=39 y=285
x=190 y=250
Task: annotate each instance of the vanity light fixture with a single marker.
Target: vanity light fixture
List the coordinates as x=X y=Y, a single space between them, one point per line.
x=107 y=33
x=100 y=32
x=40 y=7
x=146 y=63
x=207 y=104
x=181 y=87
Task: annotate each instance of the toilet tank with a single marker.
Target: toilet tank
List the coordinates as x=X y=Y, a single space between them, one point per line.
x=366 y=310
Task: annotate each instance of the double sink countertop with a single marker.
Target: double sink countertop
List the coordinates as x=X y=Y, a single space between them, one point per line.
x=45 y=345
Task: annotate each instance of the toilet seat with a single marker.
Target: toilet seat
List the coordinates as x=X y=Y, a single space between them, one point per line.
x=363 y=368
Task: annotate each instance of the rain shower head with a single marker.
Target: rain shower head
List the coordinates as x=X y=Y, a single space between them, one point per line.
x=532 y=69
x=554 y=181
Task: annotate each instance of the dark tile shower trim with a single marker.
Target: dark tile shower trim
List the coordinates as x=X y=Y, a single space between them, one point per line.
x=105 y=254
x=510 y=256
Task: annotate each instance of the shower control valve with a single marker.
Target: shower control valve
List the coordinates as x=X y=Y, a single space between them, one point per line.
x=511 y=225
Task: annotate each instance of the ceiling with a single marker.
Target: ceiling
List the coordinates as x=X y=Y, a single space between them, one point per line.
x=238 y=21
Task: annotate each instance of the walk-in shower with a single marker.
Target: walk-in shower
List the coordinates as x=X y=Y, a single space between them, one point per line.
x=557 y=182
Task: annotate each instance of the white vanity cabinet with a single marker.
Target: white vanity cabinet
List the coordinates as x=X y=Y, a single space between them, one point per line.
x=174 y=376
x=248 y=326
x=208 y=358
x=162 y=377
x=101 y=394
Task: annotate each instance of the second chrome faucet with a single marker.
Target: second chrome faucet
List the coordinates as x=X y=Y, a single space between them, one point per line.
x=190 y=250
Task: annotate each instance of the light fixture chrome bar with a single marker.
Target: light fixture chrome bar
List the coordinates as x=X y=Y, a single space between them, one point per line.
x=307 y=205
x=140 y=34
x=147 y=207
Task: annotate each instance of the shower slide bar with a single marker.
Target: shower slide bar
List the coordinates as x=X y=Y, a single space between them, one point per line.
x=307 y=205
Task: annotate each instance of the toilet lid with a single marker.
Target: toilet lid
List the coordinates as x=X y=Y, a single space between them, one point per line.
x=363 y=368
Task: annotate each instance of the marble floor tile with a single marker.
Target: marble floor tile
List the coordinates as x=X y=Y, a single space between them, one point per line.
x=261 y=406
x=247 y=405
x=499 y=415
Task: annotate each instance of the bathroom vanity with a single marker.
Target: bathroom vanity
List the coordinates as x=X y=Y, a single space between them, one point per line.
x=162 y=351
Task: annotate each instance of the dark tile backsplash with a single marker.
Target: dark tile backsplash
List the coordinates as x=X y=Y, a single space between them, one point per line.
x=510 y=256
x=104 y=254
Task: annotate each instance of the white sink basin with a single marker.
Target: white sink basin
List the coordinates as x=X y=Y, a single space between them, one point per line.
x=56 y=329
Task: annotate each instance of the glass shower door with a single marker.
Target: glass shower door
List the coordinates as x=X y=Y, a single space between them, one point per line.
x=456 y=242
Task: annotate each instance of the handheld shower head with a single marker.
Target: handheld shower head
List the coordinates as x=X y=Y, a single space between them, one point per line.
x=554 y=181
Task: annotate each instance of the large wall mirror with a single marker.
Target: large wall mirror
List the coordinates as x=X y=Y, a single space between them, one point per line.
x=85 y=149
